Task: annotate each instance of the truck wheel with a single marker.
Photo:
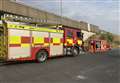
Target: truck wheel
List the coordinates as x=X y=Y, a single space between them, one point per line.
x=81 y=51
x=75 y=52
x=42 y=56
x=65 y=51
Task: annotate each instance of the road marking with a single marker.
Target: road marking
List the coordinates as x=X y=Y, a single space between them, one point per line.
x=81 y=77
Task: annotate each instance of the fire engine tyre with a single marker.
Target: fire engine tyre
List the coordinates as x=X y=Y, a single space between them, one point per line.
x=75 y=52
x=42 y=56
x=81 y=51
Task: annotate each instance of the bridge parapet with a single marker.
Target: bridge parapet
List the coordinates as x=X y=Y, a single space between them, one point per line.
x=43 y=16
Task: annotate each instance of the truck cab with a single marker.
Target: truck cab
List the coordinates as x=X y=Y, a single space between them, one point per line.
x=73 y=41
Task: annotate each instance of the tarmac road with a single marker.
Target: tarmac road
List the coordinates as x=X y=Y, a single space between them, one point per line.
x=87 y=68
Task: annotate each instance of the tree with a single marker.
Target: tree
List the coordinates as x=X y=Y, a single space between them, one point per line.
x=107 y=36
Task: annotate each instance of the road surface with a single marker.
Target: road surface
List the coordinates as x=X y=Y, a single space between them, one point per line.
x=87 y=68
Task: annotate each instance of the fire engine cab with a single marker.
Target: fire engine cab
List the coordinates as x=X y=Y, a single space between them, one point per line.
x=21 y=41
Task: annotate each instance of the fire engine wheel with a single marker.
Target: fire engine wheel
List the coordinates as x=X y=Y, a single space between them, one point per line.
x=75 y=52
x=42 y=56
x=81 y=51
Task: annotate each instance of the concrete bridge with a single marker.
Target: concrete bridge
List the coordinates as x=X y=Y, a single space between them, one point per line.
x=43 y=17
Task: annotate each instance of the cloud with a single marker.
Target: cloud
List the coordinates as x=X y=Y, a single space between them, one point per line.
x=104 y=13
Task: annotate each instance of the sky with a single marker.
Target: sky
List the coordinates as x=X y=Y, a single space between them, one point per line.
x=104 y=13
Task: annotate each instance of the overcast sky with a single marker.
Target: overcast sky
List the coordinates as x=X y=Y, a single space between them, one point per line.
x=104 y=13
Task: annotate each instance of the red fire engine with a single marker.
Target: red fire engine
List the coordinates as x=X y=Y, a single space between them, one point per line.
x=21 y=41
x=98 y=46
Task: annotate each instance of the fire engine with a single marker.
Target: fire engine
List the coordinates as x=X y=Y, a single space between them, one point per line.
x=21 y=41
x=98 y=46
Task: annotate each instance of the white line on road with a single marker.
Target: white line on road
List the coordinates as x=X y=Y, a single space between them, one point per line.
x=81 y=77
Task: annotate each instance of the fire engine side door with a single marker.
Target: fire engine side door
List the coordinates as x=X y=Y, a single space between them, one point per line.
x=69 y=37
x=56 y=45
x=79 y=38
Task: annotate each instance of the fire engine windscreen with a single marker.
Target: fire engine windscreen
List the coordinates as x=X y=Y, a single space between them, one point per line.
x=80 y=35
x=98 y=44
x=70 y=34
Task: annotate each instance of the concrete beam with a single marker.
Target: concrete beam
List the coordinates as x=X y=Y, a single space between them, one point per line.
x=50 y=18
x=94 y=28
x=84 y=25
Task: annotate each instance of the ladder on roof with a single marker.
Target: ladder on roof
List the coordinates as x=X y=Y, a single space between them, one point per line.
x=30 y=21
